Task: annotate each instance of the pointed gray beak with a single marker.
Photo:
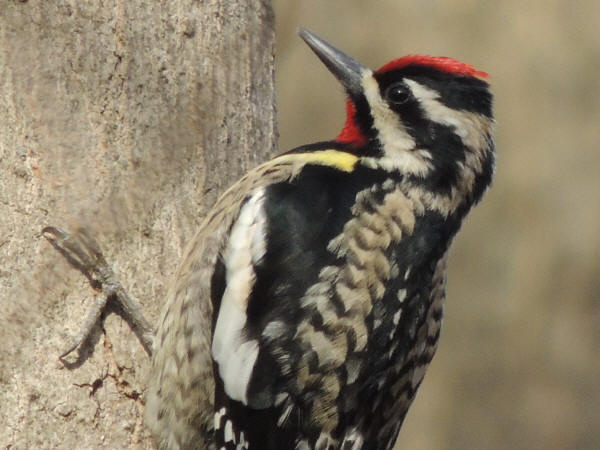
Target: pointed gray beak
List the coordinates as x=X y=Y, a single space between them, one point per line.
x=345 y=68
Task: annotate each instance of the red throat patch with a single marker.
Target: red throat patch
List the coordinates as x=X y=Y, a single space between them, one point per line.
x=351 y=133
x=441 y=63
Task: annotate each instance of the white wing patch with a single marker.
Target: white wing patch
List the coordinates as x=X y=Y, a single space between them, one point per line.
x=353 y=440
x=234 y=353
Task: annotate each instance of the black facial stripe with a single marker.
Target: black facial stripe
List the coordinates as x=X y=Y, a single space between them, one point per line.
x=445 y=146
x=461 y=94
x=484 y=178
x=364 y=120
x=447 y=151
x=456 y=91
x=440 y=181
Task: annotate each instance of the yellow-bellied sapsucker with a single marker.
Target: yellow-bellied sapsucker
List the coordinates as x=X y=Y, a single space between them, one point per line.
x=325 y=268
x=309 y=304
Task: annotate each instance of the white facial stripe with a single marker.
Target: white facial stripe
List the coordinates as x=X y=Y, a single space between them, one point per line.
x=233 y=352
x=469 y=126
x=475 y=131
x=397 y=143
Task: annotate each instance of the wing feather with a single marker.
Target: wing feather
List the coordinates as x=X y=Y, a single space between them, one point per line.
x=232 y=350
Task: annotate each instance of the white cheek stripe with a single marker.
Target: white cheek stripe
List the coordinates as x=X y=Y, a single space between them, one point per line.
x=468 y=126
x=231 y=349
x=474 y=130
x=396 y=142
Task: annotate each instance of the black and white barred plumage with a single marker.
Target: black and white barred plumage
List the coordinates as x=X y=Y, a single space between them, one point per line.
x=323 y=271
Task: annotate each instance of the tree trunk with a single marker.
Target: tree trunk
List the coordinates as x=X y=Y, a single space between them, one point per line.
x=128 y=118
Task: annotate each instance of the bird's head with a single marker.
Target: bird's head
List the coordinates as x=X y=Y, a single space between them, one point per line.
x=426 y=118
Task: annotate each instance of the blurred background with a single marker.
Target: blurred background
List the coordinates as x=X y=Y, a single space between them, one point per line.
x=518 y=364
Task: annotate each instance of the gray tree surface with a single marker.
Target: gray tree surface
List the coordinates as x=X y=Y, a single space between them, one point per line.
x=127 y=118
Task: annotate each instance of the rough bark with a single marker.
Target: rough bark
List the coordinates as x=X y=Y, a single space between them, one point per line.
x=128 y=118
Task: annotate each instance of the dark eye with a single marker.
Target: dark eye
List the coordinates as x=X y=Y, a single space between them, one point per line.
x=398 y=94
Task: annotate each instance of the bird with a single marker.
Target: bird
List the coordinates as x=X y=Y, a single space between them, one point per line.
x=308 y=305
